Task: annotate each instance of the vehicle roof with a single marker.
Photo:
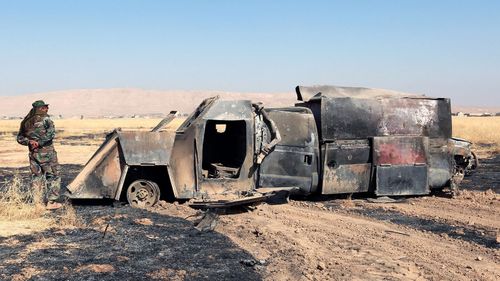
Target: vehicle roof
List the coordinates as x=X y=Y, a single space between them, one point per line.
x=305 y=93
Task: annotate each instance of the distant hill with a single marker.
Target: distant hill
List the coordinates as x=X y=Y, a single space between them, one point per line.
x=476 y=109
x=128 y=102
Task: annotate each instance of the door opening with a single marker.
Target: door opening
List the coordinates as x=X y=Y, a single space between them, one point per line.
x=224 y=148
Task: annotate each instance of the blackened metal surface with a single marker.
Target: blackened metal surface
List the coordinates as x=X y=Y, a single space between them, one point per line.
x=344 y=152
x=182 y=162
x=295 y=159
x=346 y=178
x=225 y=112
x=305 y=93
x=346 y=167
x=355 y=118
x=440 y=163
x=146 y=148
x=401 y=180
x=187 y=153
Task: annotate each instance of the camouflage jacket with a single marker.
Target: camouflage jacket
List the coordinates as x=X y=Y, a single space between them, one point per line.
x=40 y=129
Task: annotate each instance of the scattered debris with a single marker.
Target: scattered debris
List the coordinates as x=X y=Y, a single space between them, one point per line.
x=252 y=262
x=397 y=232
x=208 y=222
x=384 y=199
x=321 y=266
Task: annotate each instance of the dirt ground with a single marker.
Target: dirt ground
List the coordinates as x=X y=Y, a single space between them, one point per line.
x=321 y=238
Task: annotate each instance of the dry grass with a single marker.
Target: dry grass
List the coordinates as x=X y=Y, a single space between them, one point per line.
x=18 y=201
x=484 y=132
x=22 y=210
x=69 y=218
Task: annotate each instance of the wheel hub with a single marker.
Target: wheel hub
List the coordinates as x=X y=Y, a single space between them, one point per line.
x=143 y=193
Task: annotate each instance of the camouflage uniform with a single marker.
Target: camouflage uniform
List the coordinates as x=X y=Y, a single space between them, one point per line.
x=43 y=159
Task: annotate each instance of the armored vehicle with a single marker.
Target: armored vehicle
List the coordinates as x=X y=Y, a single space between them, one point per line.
x=334 y=140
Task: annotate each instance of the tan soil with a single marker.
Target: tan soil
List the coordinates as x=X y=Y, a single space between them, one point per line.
x=98 y=268
x=306 y=241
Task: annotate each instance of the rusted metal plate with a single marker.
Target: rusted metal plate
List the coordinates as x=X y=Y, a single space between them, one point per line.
x=346 y=178
x=146 y=148
x=400 y=150
x=401 y=180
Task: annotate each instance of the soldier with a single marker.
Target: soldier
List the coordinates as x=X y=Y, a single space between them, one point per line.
x=37 y=132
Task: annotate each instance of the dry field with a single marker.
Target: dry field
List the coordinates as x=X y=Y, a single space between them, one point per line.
x=320 y=238
x=76 y=139
x=484 y=132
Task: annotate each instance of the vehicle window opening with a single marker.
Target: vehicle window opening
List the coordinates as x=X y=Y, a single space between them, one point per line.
x=224 y=148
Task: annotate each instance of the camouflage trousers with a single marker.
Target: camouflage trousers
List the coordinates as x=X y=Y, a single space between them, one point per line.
x=45 y=170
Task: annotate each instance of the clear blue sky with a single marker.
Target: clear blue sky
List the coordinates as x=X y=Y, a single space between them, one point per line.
x=440 y=48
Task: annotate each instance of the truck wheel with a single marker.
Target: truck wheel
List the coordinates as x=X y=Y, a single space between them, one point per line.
x=143 y=193
x=473 y=164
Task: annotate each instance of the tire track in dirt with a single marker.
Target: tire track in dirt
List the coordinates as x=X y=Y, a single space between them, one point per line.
x=309 y=243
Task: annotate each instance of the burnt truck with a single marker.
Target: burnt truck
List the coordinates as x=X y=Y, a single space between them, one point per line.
x=334 y=140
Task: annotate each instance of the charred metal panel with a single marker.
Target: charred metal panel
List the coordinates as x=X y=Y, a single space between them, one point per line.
x=346 y=179
x=318 y=91
x=346 y=118
x=360 y=118
x=289 y=166
x=424 y=117
x=146 y=148
x=399 y=150
x=401 y=165
x=440 y=163
x=183 y=163
x=227 y=113
x=346 y=167
x=401 y=180
x=243 y=177
x=103 y=180
x=345 y=152
x=295 y=126
x=100 y=176
x=295 y=159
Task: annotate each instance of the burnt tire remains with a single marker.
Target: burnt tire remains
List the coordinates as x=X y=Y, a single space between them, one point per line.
x=143 y=193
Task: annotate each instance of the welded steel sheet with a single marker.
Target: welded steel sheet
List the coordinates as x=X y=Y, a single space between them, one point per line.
x=146 y=148
x=402 y=180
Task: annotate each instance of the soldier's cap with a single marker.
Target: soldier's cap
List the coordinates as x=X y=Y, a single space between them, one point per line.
x=39 y=103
